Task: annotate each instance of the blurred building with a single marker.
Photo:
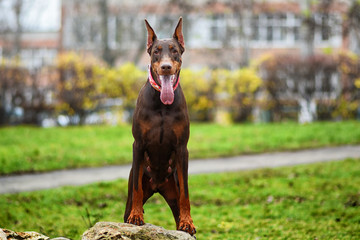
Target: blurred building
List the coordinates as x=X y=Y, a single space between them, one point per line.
x=218 y=34
x=29 y=29
x=225 y=33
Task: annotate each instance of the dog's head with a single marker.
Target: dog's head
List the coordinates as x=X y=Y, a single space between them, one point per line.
x=166 y=60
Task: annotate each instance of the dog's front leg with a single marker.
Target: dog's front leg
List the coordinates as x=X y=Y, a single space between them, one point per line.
x=137 y=212
x=185 y=221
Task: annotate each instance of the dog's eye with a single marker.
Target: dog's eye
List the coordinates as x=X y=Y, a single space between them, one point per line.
x=174 y=51
x=156 y=51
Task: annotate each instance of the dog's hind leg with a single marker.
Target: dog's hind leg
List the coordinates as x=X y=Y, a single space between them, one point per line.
x=185 y=221
x=136 y=216
x=146 y=189
x=129 y=198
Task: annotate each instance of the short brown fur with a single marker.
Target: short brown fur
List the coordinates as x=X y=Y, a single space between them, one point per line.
x=161 y=133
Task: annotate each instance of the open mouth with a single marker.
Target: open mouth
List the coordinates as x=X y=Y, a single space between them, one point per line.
x=167 y=90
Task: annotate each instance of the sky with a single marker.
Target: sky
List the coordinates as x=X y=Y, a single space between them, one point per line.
x=36 y=15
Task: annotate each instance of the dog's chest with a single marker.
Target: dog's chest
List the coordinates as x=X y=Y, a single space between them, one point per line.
x=162 y=129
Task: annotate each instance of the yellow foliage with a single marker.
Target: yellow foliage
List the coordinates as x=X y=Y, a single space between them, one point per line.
x=123 y=82
x=68 y=85
x=268 y=58
x=349 y=55
x=223 y=117
x=206 y=89
x=199 y=92
x=221 y=77
x=245 y=80
x=78 y=83
x=87 y=79
x=357 y=83
x=346 y=109
x=12 y=62
x=132 y=80
x=345 y=68
x=69 y=59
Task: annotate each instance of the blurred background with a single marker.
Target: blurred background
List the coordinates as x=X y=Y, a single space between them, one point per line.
x=72 y=62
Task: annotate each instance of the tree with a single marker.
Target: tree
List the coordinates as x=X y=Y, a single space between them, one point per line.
x=348 y=104
x=352 y=26
x=39 y=102
x=307 y=28
x=78 y=89
x=122 y=82
x=243 y=11
x=199 y=92
x=12 y=90
x=17 y=36
x=316 y=16
x=305 y=80
x=11 y=28
x=106 y=53
x=242 y=84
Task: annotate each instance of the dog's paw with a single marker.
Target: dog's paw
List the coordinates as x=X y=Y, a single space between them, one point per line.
x=136 y=219
x=187 y=226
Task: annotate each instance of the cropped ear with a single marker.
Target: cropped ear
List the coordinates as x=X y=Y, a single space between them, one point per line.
x=178 y=35
x=151 y=37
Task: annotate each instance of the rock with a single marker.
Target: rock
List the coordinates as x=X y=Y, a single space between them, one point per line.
x=107 y=231
x=6 y=234
x=124 y=231
x=2 y=235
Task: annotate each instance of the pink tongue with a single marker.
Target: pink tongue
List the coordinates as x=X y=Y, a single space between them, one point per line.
x=167 y=92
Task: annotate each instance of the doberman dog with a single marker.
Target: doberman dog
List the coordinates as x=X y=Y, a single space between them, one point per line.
x=161 y=132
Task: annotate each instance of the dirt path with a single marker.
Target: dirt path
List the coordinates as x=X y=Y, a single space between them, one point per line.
x=32 y=182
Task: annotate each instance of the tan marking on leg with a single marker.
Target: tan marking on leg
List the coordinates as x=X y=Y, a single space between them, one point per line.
x=137 y=212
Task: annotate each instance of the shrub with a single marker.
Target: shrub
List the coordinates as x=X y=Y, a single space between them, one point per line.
x=199 y=91
x=123 y=82
x=12 y=89
x=81 y=83
x=24 y=95
x=242 y=85
x=78 y=84
x=292 y=77
x=349 y=100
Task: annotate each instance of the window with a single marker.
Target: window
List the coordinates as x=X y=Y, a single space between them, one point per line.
x=86 y=30
x=217 y=32
x=255 y=29
x=269 y=33
x=328 y=29
x=276 y=28
x=296 y=33
x=325 y=28
x=128 y=31
x=282 y=26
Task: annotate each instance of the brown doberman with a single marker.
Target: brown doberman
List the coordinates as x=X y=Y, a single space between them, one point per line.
x=161 y=132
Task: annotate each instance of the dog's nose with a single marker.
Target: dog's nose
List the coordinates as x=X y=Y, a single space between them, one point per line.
x=166 y=66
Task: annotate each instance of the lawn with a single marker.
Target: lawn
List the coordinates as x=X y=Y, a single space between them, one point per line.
x=318 y=201
x=30 y=149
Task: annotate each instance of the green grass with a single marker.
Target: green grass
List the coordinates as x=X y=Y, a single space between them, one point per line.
x=318 y=201
x=29 y=149
x=215 y=140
